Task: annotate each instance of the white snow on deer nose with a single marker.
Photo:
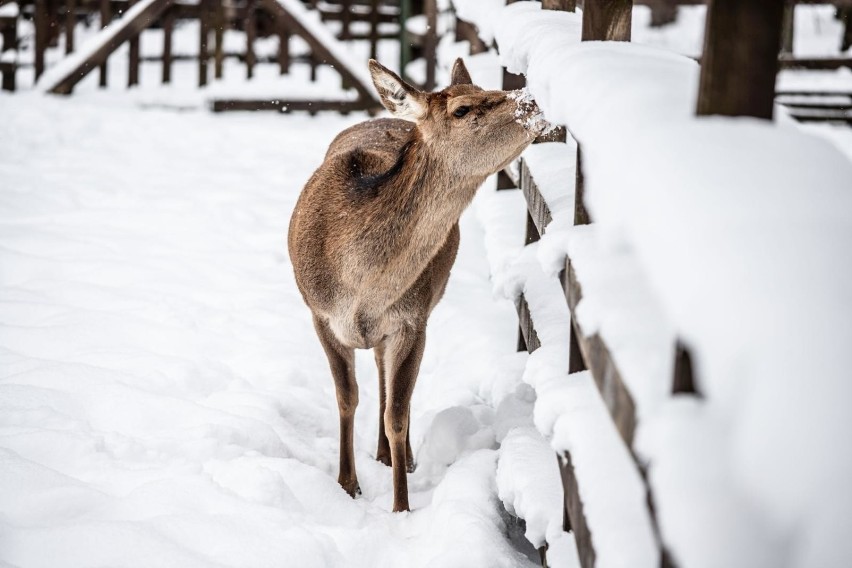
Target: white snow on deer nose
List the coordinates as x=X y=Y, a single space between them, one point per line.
x=528 y=114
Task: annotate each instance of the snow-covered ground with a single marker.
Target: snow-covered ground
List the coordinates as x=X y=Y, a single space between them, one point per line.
x=163 y=398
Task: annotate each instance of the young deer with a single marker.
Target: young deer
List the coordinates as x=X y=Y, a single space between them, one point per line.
x=375 y=233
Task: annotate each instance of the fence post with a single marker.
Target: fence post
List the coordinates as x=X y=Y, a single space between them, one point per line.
x=607 y=20
x=106 y=16
x=41 y=31
x=219 y=39
x=133 y=56
x=168 y=28
x=374 y=27
x=430 y=42
x=740 y=60
x=203 y=37
x=250 y=35
x=70 y=21
x=788 y=27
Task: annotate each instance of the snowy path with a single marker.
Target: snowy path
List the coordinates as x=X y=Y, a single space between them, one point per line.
x=163 y=399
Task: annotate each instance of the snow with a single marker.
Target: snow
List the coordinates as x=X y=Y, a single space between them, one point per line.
x=10 y=10
x=529 y=484
x=481 y=13
x=740 y=227
x=568 y=412
x=164 y=399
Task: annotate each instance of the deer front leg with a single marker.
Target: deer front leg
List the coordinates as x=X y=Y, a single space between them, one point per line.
x=341 y=360
x=402 y=366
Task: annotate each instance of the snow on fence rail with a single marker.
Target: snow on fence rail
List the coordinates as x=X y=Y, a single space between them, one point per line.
x=718 y=245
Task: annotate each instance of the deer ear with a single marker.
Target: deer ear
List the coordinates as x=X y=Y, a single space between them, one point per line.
x=400 y=98
x=460 y=75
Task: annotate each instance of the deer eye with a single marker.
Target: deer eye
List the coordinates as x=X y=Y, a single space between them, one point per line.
x=461 y=111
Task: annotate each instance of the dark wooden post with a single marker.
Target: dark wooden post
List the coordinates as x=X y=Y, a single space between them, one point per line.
x=561 y=5
x=133 y=54
x=10 y=41
x=607 y=20
x=788 y=27
x=404 y=39
x=374 y=27
x=740 y=61
x=684 y=380
x=283 y=49
x=168 y=28
x=345 y=19
x=219 y=39
x=41 y=31
x=106 y=17
x=430 y=42
x=70 y=22
x=203 y=39
x=251 y=31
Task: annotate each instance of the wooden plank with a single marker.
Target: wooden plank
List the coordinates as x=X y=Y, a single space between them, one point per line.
x=607 y=20
x=375 y=16
x=284 y=51
x=466 y=31
x=168 y=30
x=70 y=23
x=203 y=41
x=581 y=215
x=528 y=334
x=600 y=362
x=683 y=381
x=574 y=510
x=318 y=49
x=430 y=43
x=41 y=33
x=114 y=37
x=133 y=57
x=283 y=105
x=106 y=18
x=740 y=59
x=251 y=33
x=539 y=212
x=219 y=23
x=561 y=5
x=7 y=72
x=814 y=63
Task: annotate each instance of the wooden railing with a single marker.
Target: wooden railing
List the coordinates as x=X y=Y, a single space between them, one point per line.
x=369 y=21
x=737 y=79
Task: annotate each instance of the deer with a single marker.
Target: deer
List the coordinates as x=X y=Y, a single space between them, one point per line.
x=375 y=232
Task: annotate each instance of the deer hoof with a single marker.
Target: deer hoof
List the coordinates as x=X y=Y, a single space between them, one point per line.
x=352 y=487
x=410 y=465
x=384 y=458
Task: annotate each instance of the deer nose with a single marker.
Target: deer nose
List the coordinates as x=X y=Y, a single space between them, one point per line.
x=527 y=112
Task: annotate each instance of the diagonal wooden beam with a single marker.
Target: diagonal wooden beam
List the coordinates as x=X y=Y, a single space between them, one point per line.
x=62 y=78
x=292 y=15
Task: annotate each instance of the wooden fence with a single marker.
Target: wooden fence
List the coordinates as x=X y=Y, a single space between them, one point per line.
x=355 y=20
x=738 y=72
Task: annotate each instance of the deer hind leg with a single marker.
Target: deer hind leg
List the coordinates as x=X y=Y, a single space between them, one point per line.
x=402 y=362
x=383 y=453
x=341 y=360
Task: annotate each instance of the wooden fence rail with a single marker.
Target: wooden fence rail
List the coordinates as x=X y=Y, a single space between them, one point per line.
x=725 y=88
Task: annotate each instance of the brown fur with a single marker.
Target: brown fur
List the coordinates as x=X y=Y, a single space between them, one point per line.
x=375 y=233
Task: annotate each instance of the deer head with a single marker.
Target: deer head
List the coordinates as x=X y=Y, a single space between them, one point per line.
x=473 y=132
